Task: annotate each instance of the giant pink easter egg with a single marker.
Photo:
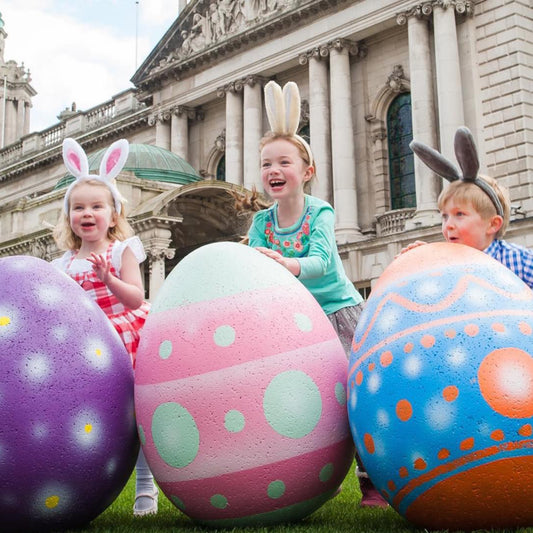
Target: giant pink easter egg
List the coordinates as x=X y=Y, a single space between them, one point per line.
x=68 y=439
x=441 y=389
x=240 y=391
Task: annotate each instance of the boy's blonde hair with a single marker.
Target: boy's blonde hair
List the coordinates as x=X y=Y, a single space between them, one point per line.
x=270 y=136
x=66 y=239
x=469 y=192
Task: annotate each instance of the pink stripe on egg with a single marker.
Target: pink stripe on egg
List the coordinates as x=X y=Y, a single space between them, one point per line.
x=208 y=336
x=208 y=398
x=247 y=494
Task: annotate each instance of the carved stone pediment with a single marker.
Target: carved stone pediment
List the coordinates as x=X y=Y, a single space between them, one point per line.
x=209 y=29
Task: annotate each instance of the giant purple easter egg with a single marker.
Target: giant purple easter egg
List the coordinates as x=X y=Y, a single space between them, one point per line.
x=440 y=389
x=240 y=391
x=68 y=440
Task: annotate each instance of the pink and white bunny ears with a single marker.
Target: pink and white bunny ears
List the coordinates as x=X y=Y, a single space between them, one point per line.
x=283 y=111
x=466 y=154
x=78 y=165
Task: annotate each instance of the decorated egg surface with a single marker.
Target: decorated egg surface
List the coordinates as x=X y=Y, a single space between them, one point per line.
x=240 y=391
x=440 y=389
x=68 y=440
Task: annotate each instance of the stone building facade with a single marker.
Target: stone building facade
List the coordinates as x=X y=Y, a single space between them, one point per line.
x=373 y=74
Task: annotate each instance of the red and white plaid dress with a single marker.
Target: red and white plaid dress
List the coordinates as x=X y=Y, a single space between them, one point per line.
x=127 y=322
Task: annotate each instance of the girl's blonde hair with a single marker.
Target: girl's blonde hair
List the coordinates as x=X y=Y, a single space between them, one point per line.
x=469 y=192
x=66 y=239
x=270 y=136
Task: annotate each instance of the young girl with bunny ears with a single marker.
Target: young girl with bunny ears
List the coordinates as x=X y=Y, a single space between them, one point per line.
x=298 y=230
x=103 y=256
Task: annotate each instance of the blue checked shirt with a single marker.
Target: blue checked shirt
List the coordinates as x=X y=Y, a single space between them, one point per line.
x=515 y=257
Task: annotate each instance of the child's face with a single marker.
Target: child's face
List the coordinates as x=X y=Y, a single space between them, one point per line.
x=283 y=171
x=462 y=224
x=91 y=211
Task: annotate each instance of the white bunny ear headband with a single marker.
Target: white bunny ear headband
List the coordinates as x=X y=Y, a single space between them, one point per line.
x=78 y=165
x=466 y=154
x=283 y=111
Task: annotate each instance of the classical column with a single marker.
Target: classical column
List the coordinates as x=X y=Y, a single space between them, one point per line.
x=161 y=120
x=342 y=142
x=427 y=183
x=179 y=131
x=252 y=131
x=20 y=117
x=448 y=70
x=27 y=118
x=319 y=122
x=234 y=131
x=10 y=131
x=156 y=236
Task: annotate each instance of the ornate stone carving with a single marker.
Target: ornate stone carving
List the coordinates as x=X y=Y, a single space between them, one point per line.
x=425 y=9
x=397 y=81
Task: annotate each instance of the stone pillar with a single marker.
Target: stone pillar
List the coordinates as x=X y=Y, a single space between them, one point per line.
x=342 y=143
x=10 y=131
x=234 y=131
x=427 y=183
x=27 y=118
x=253 y=131
x=319 y=121
x=448 y=70
x=179 y=131
x=20 y=117
x=161 y=120
x=156 y=237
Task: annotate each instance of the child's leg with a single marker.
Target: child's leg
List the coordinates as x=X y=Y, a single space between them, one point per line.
x=146 y=493
x=344 y=321
x=370 y=496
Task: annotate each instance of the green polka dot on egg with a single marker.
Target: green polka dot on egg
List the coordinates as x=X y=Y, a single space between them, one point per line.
x=292 y=404
x=219 y=501
x=234 y=421
x=276 y=489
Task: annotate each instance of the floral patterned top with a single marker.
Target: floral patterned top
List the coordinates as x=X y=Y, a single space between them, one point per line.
x=312 y=241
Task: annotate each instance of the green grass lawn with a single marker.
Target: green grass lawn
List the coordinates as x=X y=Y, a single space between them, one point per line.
x=342 y=514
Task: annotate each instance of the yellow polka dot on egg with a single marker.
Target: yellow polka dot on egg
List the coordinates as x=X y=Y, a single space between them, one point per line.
x=51 y=501
x=88 y=428
x=5 y=321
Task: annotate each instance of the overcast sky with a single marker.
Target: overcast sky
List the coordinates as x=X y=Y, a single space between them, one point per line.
x=81 y=51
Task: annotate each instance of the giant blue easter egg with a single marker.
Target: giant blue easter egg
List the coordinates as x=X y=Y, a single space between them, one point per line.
x=440 y=389
x=240 y=391
x=68 y=439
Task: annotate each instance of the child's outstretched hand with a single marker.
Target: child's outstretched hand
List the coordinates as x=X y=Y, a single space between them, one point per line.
x=291 y=264
x=100 y=266
x=410 y=246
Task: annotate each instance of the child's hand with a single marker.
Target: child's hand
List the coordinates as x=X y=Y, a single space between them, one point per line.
x=291 y=264
x=100 y=266
x=415 y=244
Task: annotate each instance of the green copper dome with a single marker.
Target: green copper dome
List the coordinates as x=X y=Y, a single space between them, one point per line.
x=146 y=162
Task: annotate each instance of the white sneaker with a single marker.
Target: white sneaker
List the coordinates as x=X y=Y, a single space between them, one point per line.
x=146 y=503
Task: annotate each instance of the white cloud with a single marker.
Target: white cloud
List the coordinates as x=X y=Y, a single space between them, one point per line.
x=83 y=51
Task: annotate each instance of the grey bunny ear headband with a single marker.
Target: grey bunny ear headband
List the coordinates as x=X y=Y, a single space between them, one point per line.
x=466 y=154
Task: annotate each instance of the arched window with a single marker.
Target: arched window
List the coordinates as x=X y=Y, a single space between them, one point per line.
x=401 y=162
x=221 y=169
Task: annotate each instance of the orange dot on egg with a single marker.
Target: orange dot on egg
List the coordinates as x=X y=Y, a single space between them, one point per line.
x=428 y=341
x=525 y=328
x=450 y=393
x=498 y=327
x=497 y=434
x=408 y=348
x=420 y=464
x=386 y=358
x=505 y=378
x=467 y=444
x=443 y=454
x=359 y=378
x=404 y=410
x=471 y=330
x=369 y=443
x=526 y=430
x=391 y=485
x=450 y=333
x=403 y=472
x=371 y=367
